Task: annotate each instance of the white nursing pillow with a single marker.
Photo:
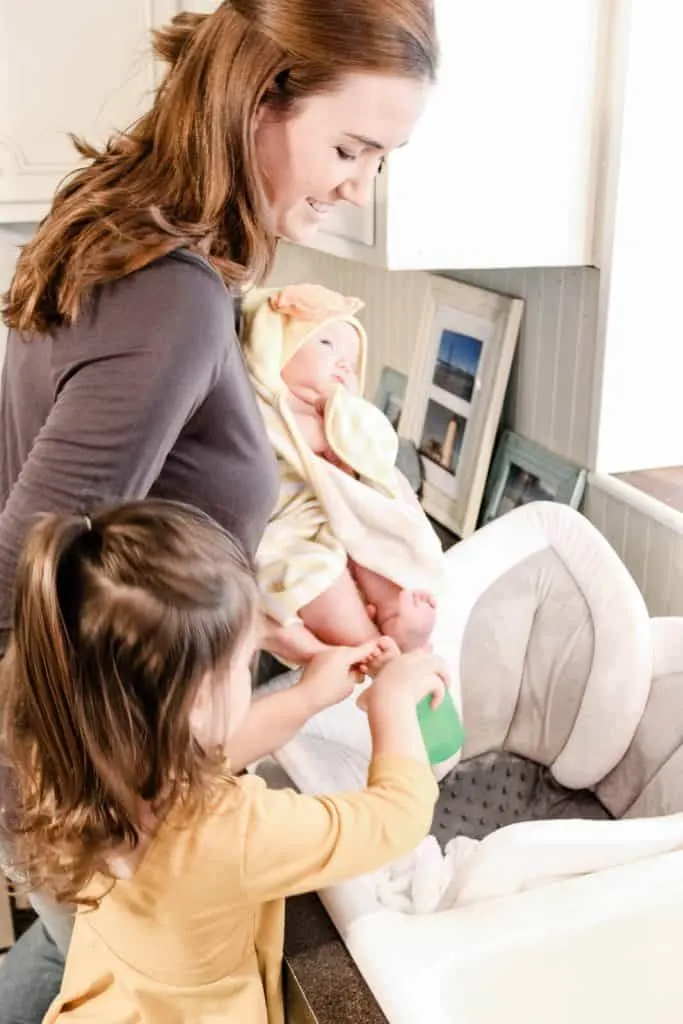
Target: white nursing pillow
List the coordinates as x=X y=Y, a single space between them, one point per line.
x=648 y=780
x=616 y=689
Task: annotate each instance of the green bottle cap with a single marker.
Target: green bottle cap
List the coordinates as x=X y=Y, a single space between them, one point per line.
x=441 y=728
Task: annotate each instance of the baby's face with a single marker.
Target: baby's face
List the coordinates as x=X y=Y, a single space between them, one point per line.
x=329 y=357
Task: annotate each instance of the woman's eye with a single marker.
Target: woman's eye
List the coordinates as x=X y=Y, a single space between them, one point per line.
x=344 y=154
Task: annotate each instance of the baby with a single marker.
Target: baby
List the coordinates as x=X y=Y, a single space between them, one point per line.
x=321 y=559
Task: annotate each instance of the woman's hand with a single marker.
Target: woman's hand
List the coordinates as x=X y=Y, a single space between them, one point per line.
x=294 y=644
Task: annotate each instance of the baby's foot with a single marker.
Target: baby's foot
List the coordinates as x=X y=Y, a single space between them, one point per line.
x=411 y=624
x=385 y=650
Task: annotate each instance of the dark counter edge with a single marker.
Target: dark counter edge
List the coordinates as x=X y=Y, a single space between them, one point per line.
x=322 y=983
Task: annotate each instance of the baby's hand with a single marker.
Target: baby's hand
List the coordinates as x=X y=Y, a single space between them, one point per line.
x=330 y=677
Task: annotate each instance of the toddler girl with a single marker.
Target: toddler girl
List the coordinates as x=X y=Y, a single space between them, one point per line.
x=126 y=689
x=349 y=552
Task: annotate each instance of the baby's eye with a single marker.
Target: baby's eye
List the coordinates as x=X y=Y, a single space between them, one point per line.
x=344 y=154
x=326 y=341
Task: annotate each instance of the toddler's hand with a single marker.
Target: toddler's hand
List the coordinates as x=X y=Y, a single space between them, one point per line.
x=415 y=675
x=331 y=676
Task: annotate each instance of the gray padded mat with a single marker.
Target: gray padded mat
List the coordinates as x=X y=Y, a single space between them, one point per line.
x=487 y=792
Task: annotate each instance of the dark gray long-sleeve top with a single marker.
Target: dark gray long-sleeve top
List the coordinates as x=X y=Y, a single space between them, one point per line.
x=146 y=394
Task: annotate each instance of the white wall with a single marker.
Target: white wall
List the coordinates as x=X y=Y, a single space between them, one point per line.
x=639 y=413
x=10 y=239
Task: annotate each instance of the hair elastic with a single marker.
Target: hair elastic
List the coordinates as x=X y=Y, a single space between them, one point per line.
x=88 y=523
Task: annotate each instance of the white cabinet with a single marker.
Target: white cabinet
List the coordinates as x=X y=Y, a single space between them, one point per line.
x=81 y=66
x=501 y=170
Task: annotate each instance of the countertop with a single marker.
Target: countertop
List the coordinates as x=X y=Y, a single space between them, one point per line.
x=322 y=983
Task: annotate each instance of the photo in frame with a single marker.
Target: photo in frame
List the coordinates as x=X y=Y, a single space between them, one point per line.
x=455 y=393
x=523 y=472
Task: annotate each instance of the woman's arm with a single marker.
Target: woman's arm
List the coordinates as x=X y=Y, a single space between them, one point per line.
x=293 y=644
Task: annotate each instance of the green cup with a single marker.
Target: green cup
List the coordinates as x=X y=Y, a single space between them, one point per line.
x=441 y=728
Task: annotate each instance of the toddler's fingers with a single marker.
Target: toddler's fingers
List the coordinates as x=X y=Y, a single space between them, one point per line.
x=360 y=654
x=438 y=693
x=432 y=664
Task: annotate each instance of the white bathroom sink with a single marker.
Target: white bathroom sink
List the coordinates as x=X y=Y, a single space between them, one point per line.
x=598 y=949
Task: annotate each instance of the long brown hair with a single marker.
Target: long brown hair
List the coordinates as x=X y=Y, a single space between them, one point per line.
x=117 y=619
x=186 y=174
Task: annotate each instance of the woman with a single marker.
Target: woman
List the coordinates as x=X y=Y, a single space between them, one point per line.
x=123 y=376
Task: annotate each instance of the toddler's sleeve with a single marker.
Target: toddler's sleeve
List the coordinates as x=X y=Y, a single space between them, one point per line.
x=295 y=843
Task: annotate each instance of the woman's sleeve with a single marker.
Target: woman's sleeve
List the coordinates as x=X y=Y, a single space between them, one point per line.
x=127 y=379
x=296 y=843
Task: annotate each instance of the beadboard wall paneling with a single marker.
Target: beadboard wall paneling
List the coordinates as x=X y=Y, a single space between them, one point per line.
x=647 y=537
x=550 y=394
x=11 y=237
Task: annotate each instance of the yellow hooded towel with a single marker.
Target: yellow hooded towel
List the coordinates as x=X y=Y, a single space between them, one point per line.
x=324 y=515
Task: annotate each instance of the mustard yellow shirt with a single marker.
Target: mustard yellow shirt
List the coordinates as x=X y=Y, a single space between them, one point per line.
x=197 y=934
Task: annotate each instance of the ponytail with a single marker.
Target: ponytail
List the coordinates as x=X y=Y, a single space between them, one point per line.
x=41 y=640
x=116 y=622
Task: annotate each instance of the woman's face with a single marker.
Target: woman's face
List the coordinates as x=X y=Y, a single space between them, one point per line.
x=331 y=147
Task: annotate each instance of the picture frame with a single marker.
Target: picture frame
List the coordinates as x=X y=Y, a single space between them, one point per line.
x=455 y=393
x=390 y=394
x=524 y=471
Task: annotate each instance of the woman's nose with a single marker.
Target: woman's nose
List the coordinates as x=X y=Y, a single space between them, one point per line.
x=358 y=190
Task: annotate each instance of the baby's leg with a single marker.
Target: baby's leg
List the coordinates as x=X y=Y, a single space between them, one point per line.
x=407 y=616
x=339 y=615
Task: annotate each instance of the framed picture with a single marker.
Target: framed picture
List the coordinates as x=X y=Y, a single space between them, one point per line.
x=455 y=394
x=523 y=471
x=390 y=394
